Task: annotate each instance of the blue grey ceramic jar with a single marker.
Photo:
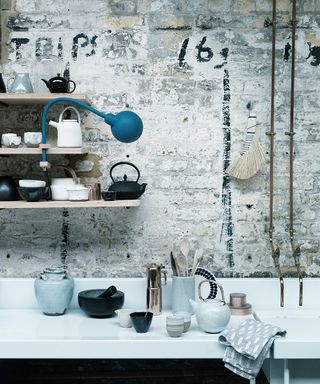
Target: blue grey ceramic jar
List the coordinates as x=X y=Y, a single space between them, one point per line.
x=54 y=290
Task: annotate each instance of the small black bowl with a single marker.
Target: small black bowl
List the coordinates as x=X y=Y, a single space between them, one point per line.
x=109 y=195
x=100 y=307
x=141 y=321
x=32 y=194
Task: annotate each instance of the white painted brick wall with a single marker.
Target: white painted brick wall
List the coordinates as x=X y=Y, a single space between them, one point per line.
x=137 y=64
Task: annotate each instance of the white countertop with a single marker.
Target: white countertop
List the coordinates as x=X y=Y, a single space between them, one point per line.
x=303 y=332
x=26 y=333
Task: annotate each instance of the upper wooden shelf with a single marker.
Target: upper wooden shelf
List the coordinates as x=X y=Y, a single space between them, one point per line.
x=38 y=151
x=69 y=204
x=37 y=98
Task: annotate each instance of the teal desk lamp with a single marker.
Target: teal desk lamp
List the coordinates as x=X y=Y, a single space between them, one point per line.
x=126 y=126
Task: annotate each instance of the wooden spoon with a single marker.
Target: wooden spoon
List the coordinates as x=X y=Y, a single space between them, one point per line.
x=197 y=260
x=175 y=259
x=185 y=249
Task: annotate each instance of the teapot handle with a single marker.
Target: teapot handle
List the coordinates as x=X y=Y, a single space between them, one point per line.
x=124 y=163
x=213 y=282
x=74 y=109
x=74 y=86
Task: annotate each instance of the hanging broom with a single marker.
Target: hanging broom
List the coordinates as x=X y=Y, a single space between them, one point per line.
x=251 y=158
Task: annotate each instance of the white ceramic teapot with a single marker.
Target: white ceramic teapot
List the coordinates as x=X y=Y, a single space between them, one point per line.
x=212 y=315
x=69 y=130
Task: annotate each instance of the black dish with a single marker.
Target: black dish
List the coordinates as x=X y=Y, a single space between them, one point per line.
x=100 y=307
x=141 y=321
x=32 y=194
x=109 y=195
x=8 y=189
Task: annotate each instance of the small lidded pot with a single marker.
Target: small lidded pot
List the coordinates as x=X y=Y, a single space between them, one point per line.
x=54 y=290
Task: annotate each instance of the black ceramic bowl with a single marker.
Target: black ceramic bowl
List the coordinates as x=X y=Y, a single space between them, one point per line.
x=141 y=321
x=32 y=194
x=100 y=307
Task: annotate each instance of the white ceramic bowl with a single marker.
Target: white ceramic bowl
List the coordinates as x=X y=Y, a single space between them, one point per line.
x=6 y=139
x=10 y=140
x=32 y=183
x=78 y=193
x=32 y=139
x=59 y=187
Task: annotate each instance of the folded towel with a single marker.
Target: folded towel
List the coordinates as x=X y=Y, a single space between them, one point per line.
x=248 y=345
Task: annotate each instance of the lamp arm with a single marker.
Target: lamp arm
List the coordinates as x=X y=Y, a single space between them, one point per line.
x=107 y=117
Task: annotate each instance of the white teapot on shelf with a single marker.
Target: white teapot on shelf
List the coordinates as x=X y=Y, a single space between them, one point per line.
x=212 y=315
x=69 y=130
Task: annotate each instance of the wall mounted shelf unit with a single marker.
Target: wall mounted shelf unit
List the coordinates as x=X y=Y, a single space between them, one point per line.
x=7 y=99
x=37 y=151
x=20 y=204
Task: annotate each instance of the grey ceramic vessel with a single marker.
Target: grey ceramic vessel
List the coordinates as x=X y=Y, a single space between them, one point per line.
x=54 y=290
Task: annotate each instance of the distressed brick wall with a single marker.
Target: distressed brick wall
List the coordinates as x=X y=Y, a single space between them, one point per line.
x=189 y=68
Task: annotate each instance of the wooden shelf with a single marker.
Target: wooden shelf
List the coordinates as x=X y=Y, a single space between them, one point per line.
x=7 y=99
x=69 y=204
x=38 y=151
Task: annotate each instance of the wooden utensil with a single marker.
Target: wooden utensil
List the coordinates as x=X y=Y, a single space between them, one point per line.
x=196 y=260
x=183 y=261
x=174 y=256
x=173 y=265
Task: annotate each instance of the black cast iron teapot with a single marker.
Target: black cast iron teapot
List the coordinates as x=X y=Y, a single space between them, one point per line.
x=59 y=84
x=126 y=189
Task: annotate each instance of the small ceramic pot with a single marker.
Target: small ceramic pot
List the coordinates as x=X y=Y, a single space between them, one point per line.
x=10 y=140
x=141 y=321
x=186 y=320
x=32 y=139
x=124 y=317
x=175 y=325
x=54 y=290
x=78 y=193
x=59 y=187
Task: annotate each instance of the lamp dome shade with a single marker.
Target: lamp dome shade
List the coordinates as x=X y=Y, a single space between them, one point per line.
x=126 y=126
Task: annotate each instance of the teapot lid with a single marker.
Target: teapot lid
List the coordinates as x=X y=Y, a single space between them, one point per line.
x=216 y=302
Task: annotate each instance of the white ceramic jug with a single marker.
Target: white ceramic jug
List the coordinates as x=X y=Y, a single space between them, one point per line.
x=69 y=130
x=212 y=315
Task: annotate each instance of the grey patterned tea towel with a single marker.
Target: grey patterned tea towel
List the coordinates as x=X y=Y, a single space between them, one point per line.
x=248 y=345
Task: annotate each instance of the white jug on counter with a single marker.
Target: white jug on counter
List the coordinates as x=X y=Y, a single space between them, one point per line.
x=69 y=130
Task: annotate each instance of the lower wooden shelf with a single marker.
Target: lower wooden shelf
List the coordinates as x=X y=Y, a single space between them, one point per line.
x=68 y=204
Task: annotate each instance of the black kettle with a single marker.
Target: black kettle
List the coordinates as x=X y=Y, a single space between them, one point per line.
x=8 y=189
x=59 y=84
x=127 y=190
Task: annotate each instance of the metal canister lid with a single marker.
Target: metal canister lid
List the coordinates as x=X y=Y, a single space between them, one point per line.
x=238 y=300
x=238 y=304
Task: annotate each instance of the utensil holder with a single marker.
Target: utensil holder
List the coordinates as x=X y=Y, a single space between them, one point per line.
x=183 y=289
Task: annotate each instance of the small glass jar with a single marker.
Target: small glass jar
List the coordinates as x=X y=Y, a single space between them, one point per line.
x=54 y=290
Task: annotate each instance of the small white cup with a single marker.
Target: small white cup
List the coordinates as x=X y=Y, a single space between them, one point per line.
x=186 y=318
x=6 y=139
x=32 y=139
x=124 y=317
x=78 y=193
x=175 y=325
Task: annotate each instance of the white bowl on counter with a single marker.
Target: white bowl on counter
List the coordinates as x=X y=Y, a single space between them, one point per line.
x=78 y=193
x=24 y=183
